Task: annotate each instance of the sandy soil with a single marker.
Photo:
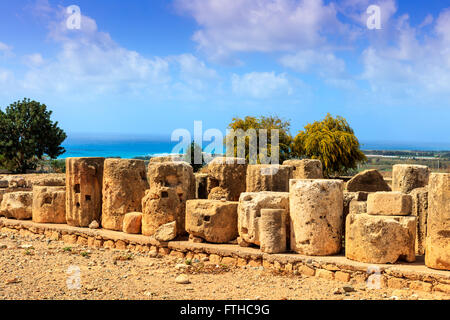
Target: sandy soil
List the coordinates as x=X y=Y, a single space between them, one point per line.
x=37 y=268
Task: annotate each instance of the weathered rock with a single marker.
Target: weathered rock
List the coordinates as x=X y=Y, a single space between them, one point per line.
x=201 y=185
x=17 y=205
x=356 y=196
x=389 y=204
x=380 y=239
x=49 y=180
x=273 y=230
x=437 y=251
x=176 y=175
x=94 y=225
x=305 y=168
x=166 y=232
x=316 y=211
x=406 y=177
x=249 y=212
x=161 y=206
x=268 y=177
x=369 y=181
x=4 y=183
x=229 y=175
x=420 y=210
x=84 y=178
x=357 y=207
x=124 y=185
x=49 y=204
x=212 y=220
x=132 y=223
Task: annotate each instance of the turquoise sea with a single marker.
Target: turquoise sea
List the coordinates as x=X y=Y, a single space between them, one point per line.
x=136 y=146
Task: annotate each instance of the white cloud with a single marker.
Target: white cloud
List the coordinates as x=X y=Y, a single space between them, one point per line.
x=261 y=85
x=263 y=25
x=90 y=62
x=324 y=63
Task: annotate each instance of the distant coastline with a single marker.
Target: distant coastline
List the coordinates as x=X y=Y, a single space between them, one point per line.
x=127 y=146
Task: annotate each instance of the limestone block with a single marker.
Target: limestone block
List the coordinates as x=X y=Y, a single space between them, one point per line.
x=212 y=220
x=273 y=230
x=380 y=239
x=166 y=232
x=227 y=176
x=124 y=185
x=201 y=185
x=437 y=250
x=17 y=205
x=389 y=204
x=369 y=181
x=49 y=204
x=406 y=177
x=357 y=207
x=249 y=212
x=420 y=210
x=268 y=177
x=132 y=223
x=176 y=175
x=305 y=168
x=349 y=196
x=160 y=206
x=316 y=211
x=84 y=178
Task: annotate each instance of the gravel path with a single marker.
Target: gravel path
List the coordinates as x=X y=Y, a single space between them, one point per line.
x=37 y=268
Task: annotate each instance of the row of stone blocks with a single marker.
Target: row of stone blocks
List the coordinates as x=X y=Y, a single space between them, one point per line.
x=309 y=219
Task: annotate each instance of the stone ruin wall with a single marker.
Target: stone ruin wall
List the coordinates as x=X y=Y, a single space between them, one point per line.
x=234 y=203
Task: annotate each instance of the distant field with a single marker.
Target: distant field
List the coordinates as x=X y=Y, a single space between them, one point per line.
x=384 y=160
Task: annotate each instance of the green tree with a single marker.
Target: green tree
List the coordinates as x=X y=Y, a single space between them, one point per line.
x=27 y=134
x=268 y=123
x=190 y=158
x=333 y=142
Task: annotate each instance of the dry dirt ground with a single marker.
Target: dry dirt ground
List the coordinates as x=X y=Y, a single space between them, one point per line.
x=37 y=268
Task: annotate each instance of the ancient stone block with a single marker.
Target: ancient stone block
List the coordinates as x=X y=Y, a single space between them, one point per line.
x=49 y=204
x=357 y=207
x=212 y=220
x=249 y=212
x=420 y=210
x=227 y=177
x=406 y=177
x=389 y=204
x=305 y=168
x=201 y=185
x=437 y=250
x=124 y=185
x=132 y=223
x=380 y=239
x=268 y=177
x=17 y=205
x=316 y=211
x=160 y=206
x=273 y=230
x=369 y=181
x=84 y=178
x=176 y=175
x=166 y=232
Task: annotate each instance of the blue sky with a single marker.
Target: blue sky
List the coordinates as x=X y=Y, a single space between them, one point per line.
x=152 y=66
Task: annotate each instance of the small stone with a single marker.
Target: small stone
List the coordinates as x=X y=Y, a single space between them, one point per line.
x=26 y=246
x=182 y=279
x=3 y=246
x=94 y=225
x=348 y=288
x=181 y=266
